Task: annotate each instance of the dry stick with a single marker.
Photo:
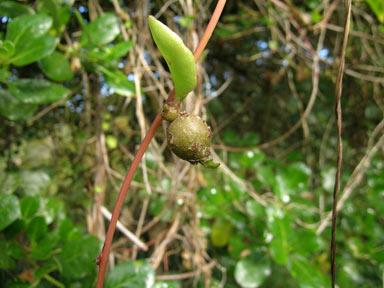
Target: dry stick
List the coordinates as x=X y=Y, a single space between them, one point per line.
x=339 y=86
x=102 y=260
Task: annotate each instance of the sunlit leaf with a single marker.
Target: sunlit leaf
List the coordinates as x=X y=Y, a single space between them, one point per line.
x=131 y=274
x=101 y=31
x=9 y=210
x=251 y=272
x=37 y=91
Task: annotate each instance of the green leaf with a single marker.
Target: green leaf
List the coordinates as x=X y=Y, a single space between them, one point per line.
x=65 y=228
x=118 y=82
x=9 y=210
x=12 y=9
x=27 y=27
x=221 y=232
x=36 y=153
x=15 y=250
x=13 y=108
x=307 y=275
x=252 y=271
x=117 y=51
x=43 y=248
x=60 y=14
x=7 y=49
x=279 y=227
x=35 y=181
x=101 y=31
x=179 y=58
x=167 y=284
x=32 y=49
x=36 y=228
x=37 y=91
x=77 y=257
x=29 y=206
x=377 y=7
x=131 y=274
x=266 y=175
x=305 y=241
x=56 y=66
x=51 y=209
x=28 y=35
x=9 y=183
x=6 y=261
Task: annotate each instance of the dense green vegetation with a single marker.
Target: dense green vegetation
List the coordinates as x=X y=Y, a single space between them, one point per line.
x=80 y=83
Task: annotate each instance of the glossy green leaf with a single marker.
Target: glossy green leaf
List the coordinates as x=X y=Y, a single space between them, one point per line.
x=28 y=33
x=13 y=108
x=117 y=51
x=279 y=227
x=60 y=14
x=28 y=26
x=13 y=9
x=56 y=67
x=29 y=206
x=131 y=274
x=37 y=91
x=9 y=210
x=32 y=49
x=118 y=82
x=36 y=228
x=77 y=257
x=101 y=31
x=251 y=272
x=179 y=58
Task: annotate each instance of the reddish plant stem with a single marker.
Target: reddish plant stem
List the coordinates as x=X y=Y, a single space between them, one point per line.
x=102 y=260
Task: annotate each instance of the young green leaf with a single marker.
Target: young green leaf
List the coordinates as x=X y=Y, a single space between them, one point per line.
x=178 y=57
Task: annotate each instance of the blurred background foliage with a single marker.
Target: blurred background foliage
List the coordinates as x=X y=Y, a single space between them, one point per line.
x=80 y=83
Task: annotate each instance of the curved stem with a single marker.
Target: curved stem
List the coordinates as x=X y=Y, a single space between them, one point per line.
x=102 y=260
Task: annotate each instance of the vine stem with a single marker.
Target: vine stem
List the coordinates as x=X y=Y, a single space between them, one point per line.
x=102 y=260
x=338 y=116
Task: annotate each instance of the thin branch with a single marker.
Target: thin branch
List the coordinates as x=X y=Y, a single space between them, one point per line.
x=338 y=115
x=357 y=175
x=124 y=230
